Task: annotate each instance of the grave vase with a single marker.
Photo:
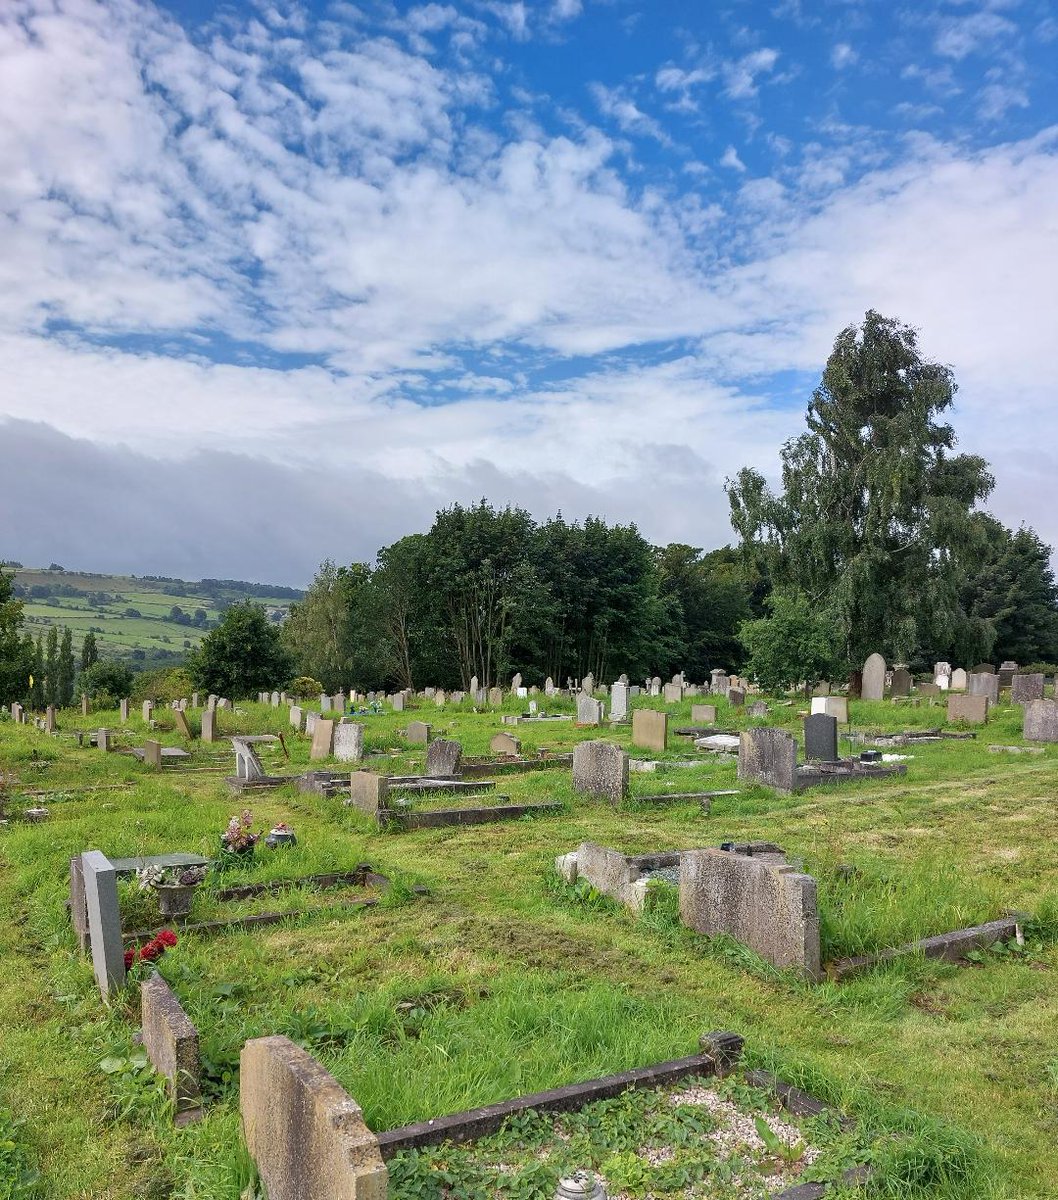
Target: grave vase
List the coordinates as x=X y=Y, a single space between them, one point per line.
x=174 y=899
x=280 y=837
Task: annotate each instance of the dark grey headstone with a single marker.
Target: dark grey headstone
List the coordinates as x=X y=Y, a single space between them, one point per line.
x=443 y=757
x=821 y=738
x=901 y=683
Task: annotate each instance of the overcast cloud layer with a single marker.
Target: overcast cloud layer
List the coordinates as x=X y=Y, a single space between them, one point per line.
x=276 y=287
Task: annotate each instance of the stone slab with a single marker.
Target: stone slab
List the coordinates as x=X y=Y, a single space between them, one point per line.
x=969 y=708
x=600 y=769
x=650 y=729
x=768 y=756
x=322 y=739
x=104 y=920
x=171 y=1042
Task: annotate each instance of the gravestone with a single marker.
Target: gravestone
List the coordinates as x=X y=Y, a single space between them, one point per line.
x=516 y=683
x=322 y=739
x=304 y=1132
x=650 y=729
x=855 y=685
x=768 y=756
x=984 y=669
x=444 y=757
x=821 y=738
x=971 y=709
x=1007 y=671
x=984 y=684
x=368 y=792
x=417 y=733
x=1040 y=721
x=208 y=725
x=703 y=714
x=655 y=686
x=1024 y=688
x=872 y=686
x=339 y=702
x=600 y=769
x=16 y=712
x=102 y=740
x=822 y=688
x=941 y=670
x=274 y=699
x=194 y=700
x=496 y=697
x=832 y=706
x=672 y=692
x=104 y=920
x=295 y=717
x=505 y=743
x=247 y=764
x=146 y=710
x=348 y=741
x=439 y=698
x=901 y=684
x=78 y=907
x=152 y=754
x=171 y=1042
x=943 y=682
x=589 y=711
x=718 y=681
x=397 y=701
x=549 y=686
x=766 y=905
x=325 y=702
x=49 y=719
x=587 y=684
x=84 y=704
x=182 y=726
x=958 y=680
x=619 y=701
x=736 y=697
x=929 y=689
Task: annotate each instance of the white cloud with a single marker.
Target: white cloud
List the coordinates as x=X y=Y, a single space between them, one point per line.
x=958 y=37
x=731 y=160
x=842 y=55
x=741 y=77
x=618 y=105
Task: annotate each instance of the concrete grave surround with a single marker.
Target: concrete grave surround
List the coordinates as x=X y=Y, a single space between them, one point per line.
x=303 y=1130
x=505 y=743
x=872 y=685
x=973 y=710
x=768 y=756
x=1041 y=721
x=171 y=1042
x=821 y=738
x=764 y=904
x=1024 y=688
x=984 y=683
x=322 y=739
x=832 y=706
x=444 y=757
x=703 y=714
x=650 y=730
x=600 y=769
x=609 y=872
x=100 y=882
x=348 y=741
x=418 y=733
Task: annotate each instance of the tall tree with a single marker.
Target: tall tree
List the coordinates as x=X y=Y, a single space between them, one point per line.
x=89 y=651
x=319 y=632
x=14 y=666
x=66 y=672
x=706 y=598
x=874 y=507
x=51 y=666
x=36 y=688
x=242 y=655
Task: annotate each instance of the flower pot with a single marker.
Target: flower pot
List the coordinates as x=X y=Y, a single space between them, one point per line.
x=281 y=837
x=238 y=852
x=174 y=899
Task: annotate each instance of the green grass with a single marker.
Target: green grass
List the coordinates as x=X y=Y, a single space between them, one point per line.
x=500 y=982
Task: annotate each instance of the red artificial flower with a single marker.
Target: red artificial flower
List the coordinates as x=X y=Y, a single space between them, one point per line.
x=130 y=958
x=166 y=937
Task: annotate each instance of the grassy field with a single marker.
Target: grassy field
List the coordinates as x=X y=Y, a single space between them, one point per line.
x=504 y=981
x=102 y=603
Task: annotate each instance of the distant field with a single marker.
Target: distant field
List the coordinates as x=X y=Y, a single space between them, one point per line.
x=132 y=617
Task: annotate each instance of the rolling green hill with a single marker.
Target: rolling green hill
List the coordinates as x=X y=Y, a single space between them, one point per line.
x=148 y=620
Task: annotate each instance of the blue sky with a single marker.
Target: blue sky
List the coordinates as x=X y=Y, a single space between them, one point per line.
x=276 y=281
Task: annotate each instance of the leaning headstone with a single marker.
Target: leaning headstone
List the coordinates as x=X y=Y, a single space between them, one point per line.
x=104 y=920
x=969 y=708
x=505 y=743
x=1041 y=721
x=348 y=741
x=703 y=714
x=171 y=1042
x=901 y=684
x=984 y=684
x=958 y=680
x=208 y=725
x=600 y=769
x=833 y=706
x=322 y=740
x=766 y=905
x=182 y=725
x=417 y=733
x=304 y=1132
x=650 y=729
x=619 y=701
x=444 y=757
x=247 y=764
x=768 y=756
x=1024 y=688
x=589 y=711
x=516 y=683
x=872 y=685
x=821 y=738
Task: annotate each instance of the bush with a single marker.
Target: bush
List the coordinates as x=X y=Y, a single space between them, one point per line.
x=105 y=682
x=305 y=687
x=163 y=685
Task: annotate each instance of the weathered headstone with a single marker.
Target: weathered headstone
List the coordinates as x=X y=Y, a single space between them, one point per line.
x=969 y=708
x=1024 y=688
x=958 y=680
x=984 y=684
x=84 y=704
x=417 y=733
x=821 y=738
x=872 y=685
x=304 y=1132
x=182 y=725
x=439 y=698
x=368 y=791
x=208 y=725
x=549 y=686
x=1007 y=671
x=703 y=714
x=496 y=697
x=650 y=729
x=619 y=701
x=600 y=769
x=348 y=744
x=736 y=697
x=104 y=920
x=929 y=689
x=49 y=719
x=587 y=684
x=295 y=717
x=1041 y=721
x=274 y=699
x=768 y=906
x=146 y=710
x=833 y=706
x=444 y=757
x=152 y=754
x=322 y=739
x=397 y=701
x=901 y=684
x=672 y=692
x=984 y=669
x=589 y=711
x=768 y=756
x=505 y=743
x=171 y=1042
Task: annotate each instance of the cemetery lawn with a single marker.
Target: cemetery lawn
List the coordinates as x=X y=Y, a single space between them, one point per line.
x=504 y=981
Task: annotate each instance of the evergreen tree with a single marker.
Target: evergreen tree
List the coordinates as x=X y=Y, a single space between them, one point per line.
x=51 y=667
x=36 y=691
x=89 y=652
x=242 y=655
x=13 y=663
x=66 y=669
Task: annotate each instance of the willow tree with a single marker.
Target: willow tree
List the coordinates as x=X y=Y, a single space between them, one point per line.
x=874 y=515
